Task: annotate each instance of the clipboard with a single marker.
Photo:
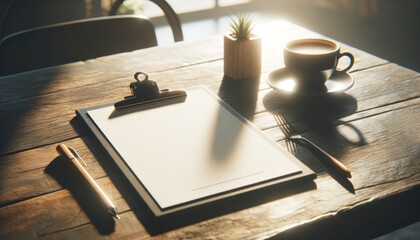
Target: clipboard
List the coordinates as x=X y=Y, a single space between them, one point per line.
x=191 y=152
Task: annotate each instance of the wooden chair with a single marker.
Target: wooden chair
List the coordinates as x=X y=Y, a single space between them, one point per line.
x=74 y=41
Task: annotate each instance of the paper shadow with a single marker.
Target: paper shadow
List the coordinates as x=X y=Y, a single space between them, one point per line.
x=65 y=174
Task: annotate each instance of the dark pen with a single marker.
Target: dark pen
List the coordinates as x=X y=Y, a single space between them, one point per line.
x=69 y=153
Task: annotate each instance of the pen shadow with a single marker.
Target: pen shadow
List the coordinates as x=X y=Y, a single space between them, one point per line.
x=65 y=174
x=317 y=118
x=329 y=168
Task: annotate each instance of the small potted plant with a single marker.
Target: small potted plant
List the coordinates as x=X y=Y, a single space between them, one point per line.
x=242 y=49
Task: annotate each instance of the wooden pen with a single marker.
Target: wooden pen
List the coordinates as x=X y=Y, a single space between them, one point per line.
x=63 y=150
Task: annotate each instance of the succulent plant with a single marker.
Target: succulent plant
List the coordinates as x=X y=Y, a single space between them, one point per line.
x=241 y=26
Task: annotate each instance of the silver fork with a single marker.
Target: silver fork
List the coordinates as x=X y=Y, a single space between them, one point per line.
x=294 y=136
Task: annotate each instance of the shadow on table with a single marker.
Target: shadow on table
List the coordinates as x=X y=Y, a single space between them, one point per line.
x=19 y=96
x=241 y=95
x=366 y=220
x=315 y=117
x=65 y=174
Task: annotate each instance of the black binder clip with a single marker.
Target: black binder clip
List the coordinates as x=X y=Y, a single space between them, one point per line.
x=146 y=93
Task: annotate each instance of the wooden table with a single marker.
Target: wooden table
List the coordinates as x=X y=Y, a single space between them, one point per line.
x=373 y=128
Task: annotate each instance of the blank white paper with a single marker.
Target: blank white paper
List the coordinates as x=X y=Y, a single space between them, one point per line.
x=187 y=151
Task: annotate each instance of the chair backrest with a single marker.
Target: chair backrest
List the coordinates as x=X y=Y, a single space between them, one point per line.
x=170 y=15
x=74 y=41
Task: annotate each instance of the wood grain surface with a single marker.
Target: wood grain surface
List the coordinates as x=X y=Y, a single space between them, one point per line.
x=373 y=128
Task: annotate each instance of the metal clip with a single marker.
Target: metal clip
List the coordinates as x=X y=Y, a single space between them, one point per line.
x=77 y=156
x=146 y=93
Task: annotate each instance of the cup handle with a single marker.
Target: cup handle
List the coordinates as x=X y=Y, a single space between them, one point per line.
x=350 y=56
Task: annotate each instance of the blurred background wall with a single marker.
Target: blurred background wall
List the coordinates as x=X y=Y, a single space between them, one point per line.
x=387 y=28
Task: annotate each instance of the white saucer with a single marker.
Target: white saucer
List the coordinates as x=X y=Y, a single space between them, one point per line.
x=284 y=81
